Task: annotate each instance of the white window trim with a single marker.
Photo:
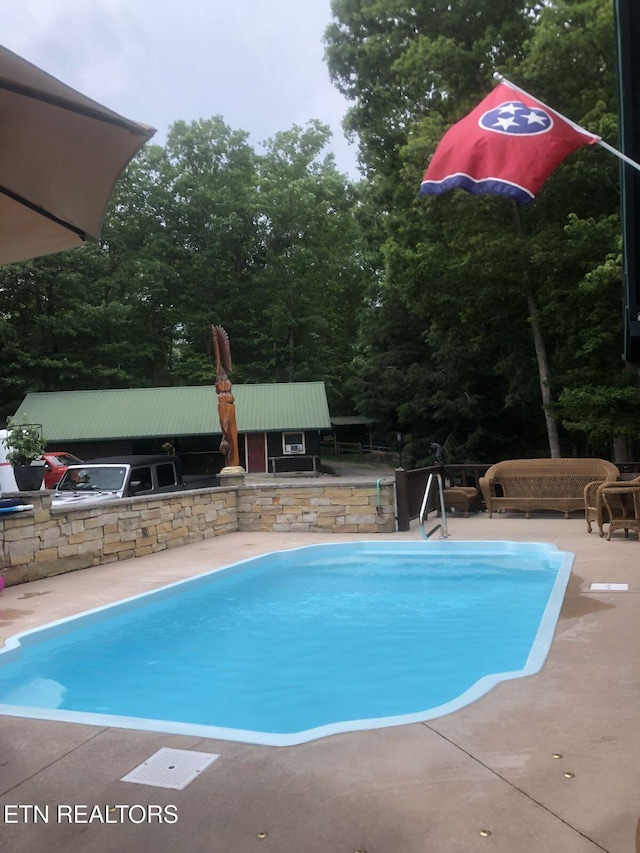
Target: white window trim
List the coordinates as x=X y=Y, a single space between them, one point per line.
x=290 y=443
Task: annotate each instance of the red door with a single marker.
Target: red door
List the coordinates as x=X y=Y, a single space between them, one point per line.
x=256 y=453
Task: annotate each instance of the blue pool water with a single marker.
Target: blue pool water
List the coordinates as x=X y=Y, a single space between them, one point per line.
x=298 y=644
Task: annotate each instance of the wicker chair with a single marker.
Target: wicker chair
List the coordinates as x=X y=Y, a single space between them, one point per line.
x=461 y=499
x=622 y=505
x=595 y=511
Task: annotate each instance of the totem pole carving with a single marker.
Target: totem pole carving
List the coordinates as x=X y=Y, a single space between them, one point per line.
x=226 y=405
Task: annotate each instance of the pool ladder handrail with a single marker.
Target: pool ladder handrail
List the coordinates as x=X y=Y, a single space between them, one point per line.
x=443 y=511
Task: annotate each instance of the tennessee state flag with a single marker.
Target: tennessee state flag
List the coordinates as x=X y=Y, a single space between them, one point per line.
x=508 y=145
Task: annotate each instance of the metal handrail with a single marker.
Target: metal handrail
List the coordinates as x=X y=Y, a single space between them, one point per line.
x=443 y=511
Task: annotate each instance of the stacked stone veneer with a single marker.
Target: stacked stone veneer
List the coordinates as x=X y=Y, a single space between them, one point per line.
x=46 y=541
x=53 y=541
x=322 y=508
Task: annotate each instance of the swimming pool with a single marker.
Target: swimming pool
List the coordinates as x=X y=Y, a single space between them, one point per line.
x=291 y=646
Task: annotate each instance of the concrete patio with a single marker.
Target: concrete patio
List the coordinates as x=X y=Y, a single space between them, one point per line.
x=538 y=765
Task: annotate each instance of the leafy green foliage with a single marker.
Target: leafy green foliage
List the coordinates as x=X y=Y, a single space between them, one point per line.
x=204 y=231
x=24 y=441
x=457 y=273
x=310 y=266
x=417 y=313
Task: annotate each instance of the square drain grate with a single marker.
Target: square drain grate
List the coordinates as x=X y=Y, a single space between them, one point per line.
x=171 y=768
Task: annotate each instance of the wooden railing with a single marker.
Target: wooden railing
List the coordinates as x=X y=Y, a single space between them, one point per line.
x=410 y=485
x=629 y=467
x=356 y=448
x=348 y=448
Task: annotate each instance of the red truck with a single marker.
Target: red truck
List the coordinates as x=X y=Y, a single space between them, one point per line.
x=56 y=463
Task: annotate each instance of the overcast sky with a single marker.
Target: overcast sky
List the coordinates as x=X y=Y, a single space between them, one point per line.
x=257 y=63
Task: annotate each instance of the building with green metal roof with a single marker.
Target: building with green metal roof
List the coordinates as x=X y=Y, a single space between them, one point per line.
x=280 y=421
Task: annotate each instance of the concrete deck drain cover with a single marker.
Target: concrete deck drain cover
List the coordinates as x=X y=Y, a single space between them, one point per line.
x=610 y=587
x=171 y=768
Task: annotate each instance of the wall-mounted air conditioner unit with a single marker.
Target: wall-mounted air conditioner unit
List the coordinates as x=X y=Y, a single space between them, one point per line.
x=293 y=448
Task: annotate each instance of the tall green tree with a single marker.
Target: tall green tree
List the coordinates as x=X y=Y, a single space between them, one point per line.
x=200 y=232
x=210 y=175
x=474 y=281
x=61 y=329
x=312 y=272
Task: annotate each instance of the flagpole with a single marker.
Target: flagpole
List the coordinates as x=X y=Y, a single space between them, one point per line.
x=619 y=154
x=577 y=127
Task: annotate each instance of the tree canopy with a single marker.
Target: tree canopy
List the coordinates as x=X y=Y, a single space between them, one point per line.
x=201 y=231
x=472 y=293
x=463 y=320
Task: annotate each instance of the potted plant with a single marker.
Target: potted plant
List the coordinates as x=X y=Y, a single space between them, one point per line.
x=25 y=444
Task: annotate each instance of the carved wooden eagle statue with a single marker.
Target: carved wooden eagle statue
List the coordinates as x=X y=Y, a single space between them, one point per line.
x=222 y=349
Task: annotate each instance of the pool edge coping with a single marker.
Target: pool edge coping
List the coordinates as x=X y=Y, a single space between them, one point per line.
x=540 y=647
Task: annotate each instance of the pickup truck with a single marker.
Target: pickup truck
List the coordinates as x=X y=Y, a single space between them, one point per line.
x=117 y=477
x=56 y=463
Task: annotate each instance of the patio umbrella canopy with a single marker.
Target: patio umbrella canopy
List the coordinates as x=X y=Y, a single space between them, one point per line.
x=61 y=154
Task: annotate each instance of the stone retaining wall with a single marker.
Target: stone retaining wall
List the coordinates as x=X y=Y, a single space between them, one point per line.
x=326 y=508
x=53 y=541
x=47 y=541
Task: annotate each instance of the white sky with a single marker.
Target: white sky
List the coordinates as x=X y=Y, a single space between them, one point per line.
x=257 y=63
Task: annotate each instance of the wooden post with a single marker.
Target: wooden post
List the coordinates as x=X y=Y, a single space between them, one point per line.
x=402 y=499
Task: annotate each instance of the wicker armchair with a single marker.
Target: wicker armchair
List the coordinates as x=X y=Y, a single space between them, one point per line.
x=622 y=505
x=595 y=510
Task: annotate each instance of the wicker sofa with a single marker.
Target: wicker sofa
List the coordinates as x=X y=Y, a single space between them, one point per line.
x=542 y=484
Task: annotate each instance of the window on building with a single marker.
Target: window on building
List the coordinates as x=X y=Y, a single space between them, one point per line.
x=293 y=442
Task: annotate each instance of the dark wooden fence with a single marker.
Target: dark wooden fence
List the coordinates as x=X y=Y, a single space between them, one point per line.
x=410 y=486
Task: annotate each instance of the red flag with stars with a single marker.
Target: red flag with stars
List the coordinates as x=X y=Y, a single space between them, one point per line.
x=508 y=145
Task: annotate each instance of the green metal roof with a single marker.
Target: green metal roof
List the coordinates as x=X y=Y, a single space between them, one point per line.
x=350 y=420
x=159 y=412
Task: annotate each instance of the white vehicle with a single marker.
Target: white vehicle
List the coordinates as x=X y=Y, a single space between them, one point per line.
x=7 y=480
x=120 y=477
